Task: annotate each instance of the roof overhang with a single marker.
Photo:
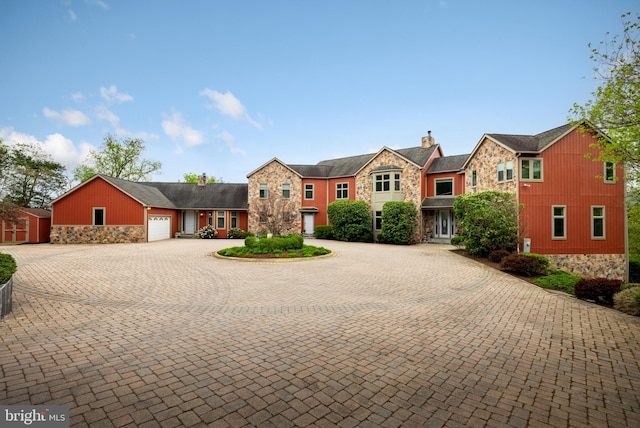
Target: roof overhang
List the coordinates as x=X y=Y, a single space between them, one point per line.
x=309 y=210
x=439 y=202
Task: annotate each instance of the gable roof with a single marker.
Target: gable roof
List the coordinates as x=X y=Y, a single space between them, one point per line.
x=447 y=164
x=141 y=192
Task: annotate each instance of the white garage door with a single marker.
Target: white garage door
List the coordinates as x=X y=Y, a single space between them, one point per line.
x=159 y=227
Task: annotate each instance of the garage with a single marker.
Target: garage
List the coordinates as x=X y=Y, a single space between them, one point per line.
x=159 y=227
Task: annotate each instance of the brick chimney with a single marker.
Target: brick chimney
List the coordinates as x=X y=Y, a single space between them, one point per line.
x=428 y=141
x=202 y=179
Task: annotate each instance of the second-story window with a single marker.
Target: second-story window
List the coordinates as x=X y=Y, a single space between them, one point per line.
x=509 y=170
x=444 y=187
x=501 y=172
x=383 y=183
x=308 y=191
x=396 y=182
x=286 y=191
x=530 y=169
x=474 y=178
x=342 y=191
x=609 y=172
x=264 y=191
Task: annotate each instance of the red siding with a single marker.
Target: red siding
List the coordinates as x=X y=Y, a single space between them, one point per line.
x=38 y=229
x=320 y=198
x=571 y=180
x=243 y=220
x=458 y=183
x=77 y=207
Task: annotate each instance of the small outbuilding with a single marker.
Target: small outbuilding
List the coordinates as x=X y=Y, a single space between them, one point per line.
x=32 y=227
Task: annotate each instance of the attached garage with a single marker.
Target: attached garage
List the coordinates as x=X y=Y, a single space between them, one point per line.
x=159 y=227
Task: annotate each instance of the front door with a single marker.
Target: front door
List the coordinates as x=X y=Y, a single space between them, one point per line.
x=17 y=232
x=189 y=222
x=444 y=224
x=308 y=224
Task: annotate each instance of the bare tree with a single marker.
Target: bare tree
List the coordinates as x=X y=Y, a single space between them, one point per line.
x=277 y=215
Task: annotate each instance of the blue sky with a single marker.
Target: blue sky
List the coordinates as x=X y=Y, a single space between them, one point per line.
x=222 y=87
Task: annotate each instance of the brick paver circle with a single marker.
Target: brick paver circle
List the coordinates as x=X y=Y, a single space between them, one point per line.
x=164 y=334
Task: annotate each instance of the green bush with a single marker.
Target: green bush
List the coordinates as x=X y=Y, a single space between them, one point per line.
x=558 y=280
x=487 y=221
x=351 y=221
x=599 y=290
x=236 y=233
x=8 y=267
x=250 y=241
x=208 y=232
x=399 y=223
x=324 y=232
x=625 y=301
x=496 y=256
x=522 y=264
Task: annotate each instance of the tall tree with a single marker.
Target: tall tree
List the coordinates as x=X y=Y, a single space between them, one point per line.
x=615 y=107
x=32 y=178
x=120 y=159
x=8 y=211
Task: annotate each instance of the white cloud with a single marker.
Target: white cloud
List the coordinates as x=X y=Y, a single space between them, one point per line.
x=104 y=113
x=61 y=149
x=72 y=15
x=229 y=141
x=67 y=117
x=229 y=105
x=176 y=127
x=112 y=95
x=77 y=97
x=100 y=3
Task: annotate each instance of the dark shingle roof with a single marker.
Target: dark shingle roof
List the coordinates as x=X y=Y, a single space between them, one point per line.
x=185 y=195
x=438 y=202
x=418 y=155
x=343 y=167
x=531 y=143
x=447 y=164
x=209 y=196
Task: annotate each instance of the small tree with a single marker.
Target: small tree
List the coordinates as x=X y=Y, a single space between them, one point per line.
x=487 y=221
x=399 y=223
x=351 y=220
x=277 y=215
x=192 y=177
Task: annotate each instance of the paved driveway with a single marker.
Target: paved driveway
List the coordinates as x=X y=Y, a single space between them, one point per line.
x=163 y=334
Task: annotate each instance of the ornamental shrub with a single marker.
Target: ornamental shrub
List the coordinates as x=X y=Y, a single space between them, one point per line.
x=351 y=221
x=522 y=264
x=487 y=221
x=8 y=267
x=626 y=302
x=250 y=241
x=399 y=223
x=599 y=290
x=236 y=233
x=496 y=256
x=558 y=280
x=208 y=232
x=324 y=232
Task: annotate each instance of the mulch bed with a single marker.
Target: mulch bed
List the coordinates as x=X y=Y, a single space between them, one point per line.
x=485 y=261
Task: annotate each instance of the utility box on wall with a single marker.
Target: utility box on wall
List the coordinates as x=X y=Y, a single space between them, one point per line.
x=526 y=245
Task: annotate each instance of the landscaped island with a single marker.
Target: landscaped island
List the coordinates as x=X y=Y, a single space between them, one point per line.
x=288 y=246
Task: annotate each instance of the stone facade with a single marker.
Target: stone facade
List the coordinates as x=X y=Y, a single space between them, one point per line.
x=485 y=162
x=97 y=234
x=274 y=174
x=610 y=266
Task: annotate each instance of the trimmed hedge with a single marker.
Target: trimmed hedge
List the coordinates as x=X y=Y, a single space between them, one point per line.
x=324 y=232
x=238 y=234
x=399 y=223
x=599 y=290
x=525 y=264
x=8 y=267
x=274 y=244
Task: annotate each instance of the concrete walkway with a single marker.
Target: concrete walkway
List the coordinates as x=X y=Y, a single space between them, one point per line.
x=163 y=334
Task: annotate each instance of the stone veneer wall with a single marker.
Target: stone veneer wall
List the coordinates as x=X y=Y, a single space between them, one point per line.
x=485 y=162
x=274 y=175
x=410 y=182
x=97 y=234
x=610 y=266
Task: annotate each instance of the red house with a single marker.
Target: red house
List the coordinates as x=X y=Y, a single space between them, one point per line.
x=110 y=210
x=32 y=227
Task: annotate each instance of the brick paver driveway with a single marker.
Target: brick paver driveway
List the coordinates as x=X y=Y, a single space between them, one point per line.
x=163 y=334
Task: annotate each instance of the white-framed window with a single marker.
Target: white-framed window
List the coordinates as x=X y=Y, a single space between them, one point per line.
x=233 y=219
x=378 y=220
x=396 y=182
x=342 y=190
x=609 y=172
x=597 y=223
x=531 y=169
x=308 y=191
x=286 y=191
x=210 y=218
x=501 y=172
x=509 y=170
x=474 y=178
x=99 y=216
x=383 y=182
x=444 y=187
x=559 y=222
x=220 y=216
x=264 y=191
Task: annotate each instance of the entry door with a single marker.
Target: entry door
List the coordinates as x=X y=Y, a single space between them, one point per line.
x=17 y=232
x=189 y=222
x=308 y=224
x=443 y=226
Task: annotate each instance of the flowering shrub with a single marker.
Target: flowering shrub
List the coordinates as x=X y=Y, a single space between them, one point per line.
x=599 y=290
x=208 y=232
